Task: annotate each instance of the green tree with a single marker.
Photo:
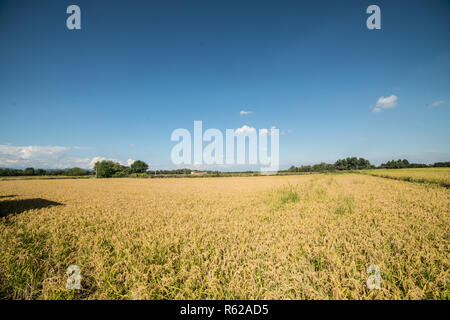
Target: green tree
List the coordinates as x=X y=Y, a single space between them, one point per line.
x=106 y=168
x=441 y=164
x=28 y=172
x=76 y=172
x=139 y=167
x=352 y=163
x=41 y=172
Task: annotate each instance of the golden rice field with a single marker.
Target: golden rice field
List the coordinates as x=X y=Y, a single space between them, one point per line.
x=288 y=237
x=440 y=176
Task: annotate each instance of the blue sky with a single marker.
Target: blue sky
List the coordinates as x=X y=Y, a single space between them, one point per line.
x=137 y=70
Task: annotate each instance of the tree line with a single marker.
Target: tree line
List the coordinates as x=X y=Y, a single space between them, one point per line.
x=43 y=172
x=109 y=169
x=353 y=163
x=399 y=164
x=102 y=169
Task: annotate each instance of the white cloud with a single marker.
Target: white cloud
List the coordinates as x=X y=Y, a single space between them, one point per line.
x=244 y=130
x=97 y=159
x=130 y=162
x=263 y=132
x=386 y=103
x=25 y=154
x=197 y=164
x=39 y=157
x=435 y=104
x=46 y=157
x=244 y=112
x=247 y=130
x=82 y=148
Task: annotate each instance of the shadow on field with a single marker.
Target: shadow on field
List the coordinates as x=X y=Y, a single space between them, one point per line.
x=9 y=196
x=9 y=207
